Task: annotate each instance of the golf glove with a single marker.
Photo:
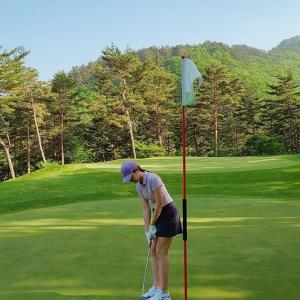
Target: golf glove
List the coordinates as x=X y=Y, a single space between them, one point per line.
x=150 y=234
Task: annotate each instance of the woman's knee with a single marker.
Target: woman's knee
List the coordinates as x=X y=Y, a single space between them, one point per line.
x=162 y=248
x=153 y=251
x=161 y=253
x=154 y=248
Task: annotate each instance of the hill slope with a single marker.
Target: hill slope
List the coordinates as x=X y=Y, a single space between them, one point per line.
x=256 y=68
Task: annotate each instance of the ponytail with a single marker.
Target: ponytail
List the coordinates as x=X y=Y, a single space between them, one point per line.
x=141 y=169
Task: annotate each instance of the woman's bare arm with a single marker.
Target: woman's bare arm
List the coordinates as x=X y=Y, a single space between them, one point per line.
x=147 y=212
x=158 y=195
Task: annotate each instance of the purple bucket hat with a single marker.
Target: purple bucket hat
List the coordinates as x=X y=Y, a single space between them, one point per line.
x=127 y=169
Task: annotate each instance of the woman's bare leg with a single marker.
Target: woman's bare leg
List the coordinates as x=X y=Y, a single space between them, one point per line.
x=162 y=248
x=154 y=263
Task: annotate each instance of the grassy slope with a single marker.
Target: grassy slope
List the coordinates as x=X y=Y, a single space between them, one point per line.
x=244 y=231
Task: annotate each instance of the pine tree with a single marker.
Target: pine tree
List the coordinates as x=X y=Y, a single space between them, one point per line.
x=34 y=92
x=157 y=88
x=233 y=128
x=61 y=86
x=123 y=68
x=215 y=97
x=249 y=112
x=282 y=112
x=11 y=78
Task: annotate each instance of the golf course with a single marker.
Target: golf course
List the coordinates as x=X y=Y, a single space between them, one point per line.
x=75 y=232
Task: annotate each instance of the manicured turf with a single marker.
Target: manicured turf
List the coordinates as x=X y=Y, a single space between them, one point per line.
x=75 y=232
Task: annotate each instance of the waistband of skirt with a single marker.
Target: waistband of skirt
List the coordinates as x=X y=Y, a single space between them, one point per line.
x=170 y=204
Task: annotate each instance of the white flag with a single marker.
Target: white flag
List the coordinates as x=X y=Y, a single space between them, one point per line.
x=189 y=74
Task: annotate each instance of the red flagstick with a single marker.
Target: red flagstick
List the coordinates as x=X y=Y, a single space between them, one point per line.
x=194 y=73
x=184 y=204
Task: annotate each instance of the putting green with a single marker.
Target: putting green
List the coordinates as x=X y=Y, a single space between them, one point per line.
x=75 y=232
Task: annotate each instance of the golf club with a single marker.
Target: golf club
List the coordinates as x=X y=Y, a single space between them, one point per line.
x=145 y=274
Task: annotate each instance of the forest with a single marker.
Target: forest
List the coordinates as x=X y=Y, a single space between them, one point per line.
x=127 y=103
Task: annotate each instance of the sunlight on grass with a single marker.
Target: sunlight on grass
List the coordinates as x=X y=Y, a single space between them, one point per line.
x=48 y=283
x=223 y=219
x=77 y=222
x=215 y=292
x=212 y=292
x=39 y=225
x=39 y=229
x=75 y=292
x=263 y=160
x=218 y=276
x=99 y=292
x=258 y=222
x=200 y=164
x=234 y=219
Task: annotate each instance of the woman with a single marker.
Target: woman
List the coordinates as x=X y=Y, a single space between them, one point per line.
x=160 y=227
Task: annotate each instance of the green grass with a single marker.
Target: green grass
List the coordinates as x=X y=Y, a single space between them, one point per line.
x=75 y=232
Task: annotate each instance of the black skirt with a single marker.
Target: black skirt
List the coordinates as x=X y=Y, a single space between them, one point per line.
x=168 y=224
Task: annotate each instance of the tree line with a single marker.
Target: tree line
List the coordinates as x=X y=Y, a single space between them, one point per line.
x=127 y=104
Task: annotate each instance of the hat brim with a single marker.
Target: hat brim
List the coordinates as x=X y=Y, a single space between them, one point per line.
x=127 y=178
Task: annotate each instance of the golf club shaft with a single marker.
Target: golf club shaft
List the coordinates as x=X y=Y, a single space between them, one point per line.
x=146 y=271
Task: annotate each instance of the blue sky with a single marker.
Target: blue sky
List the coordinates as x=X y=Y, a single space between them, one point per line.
x=64 y=33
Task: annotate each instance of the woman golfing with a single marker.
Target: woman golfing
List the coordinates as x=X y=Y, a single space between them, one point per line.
x=160 y=226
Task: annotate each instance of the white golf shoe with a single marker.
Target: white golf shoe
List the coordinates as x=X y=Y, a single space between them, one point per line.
x=152 y=291
x=161 y=295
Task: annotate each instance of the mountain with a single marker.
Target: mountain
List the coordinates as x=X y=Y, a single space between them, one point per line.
x=256 y=68
x=291 y=44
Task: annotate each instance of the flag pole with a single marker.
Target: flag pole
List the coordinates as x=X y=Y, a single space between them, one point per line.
x=189 y=74
x=184 y=200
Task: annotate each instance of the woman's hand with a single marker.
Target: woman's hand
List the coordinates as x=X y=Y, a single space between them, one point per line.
x=150 y=234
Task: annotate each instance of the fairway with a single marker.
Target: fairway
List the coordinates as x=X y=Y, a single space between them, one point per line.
x=75 y=232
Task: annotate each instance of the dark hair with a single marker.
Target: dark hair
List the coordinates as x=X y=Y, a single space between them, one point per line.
x=141 y=169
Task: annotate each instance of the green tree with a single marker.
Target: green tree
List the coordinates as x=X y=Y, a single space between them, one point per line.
x=215 y=98
x=249 y=112
x=260 y=144
x=123 y=69
x=282 y=112
x=61 y=86
x=157 y=88
x=11 y=78
x=34 y=92
x=233 y=127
